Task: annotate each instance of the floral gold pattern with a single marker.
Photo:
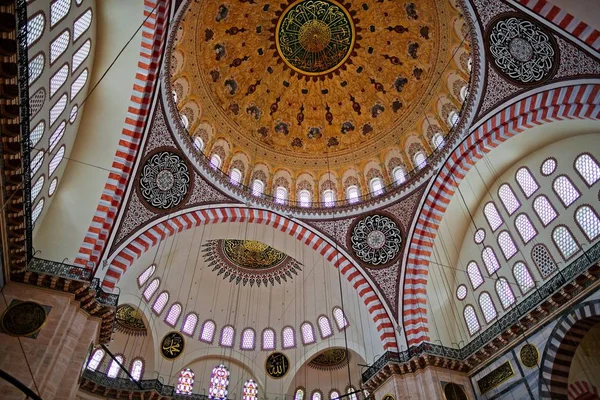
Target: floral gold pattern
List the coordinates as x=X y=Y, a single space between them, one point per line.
x=330 y=359
x=495 y=378
x=129 y=321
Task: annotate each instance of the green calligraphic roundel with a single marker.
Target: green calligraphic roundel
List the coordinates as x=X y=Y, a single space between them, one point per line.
x=172 y=345
x=315 y=37
x=277 y=365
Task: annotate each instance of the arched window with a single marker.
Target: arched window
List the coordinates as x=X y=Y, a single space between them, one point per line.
x=258 y=187
x=151 y=288
x=543 y=260
x=351 y=392
x=189 y=324
x=175 y=97
x=56 y=136
x=207 y=333
x=487 y=307
x=523 y=277
x=59 y=79
x=288 y=337
x=588 y=221
x=544 y=210
x=526 y=182
x=82 y=24
x=492 y=216
x=334 y=395
x=505 y=293
x=215 y=161
x=280 y=195
x=340 y=318
x=299 y=394
x=508 y=198
x=37 y=187
x=35 y=28
x=144 y=276
x=437 y=140
x=453 y=118
x=564 y=241
x=490 y=260
x=507 y=245
x=464 y=91
x=59 y=45
x=160 y=302
x=308 y=333
x=114 y=367
x=471 y=319
x=420 y=160
x=81 y=54
x=352 y=194
x=525 y=228
x=185 y=382
x=316 y=395
x=474 y=274
x=376 y=186
x=58 y=10
x=565 y=190
x=56 y=160
x=219 y=382
x=247 y=341
x=79 y=83
x=250 y=390
x=137 y=368
x=52 y=187
x=325 y=327
x=329 y=198
x=588 y=169
x=304 y=197
x=58 y=108
x=399 y=175
x=37 y=211
x=173 y=314
x=95 y=359
x=227 y=336
x=268 y=339
x=36 y=66
x=36 y=133
x=36 y=163
x=235 y=176
x=185 y=121
x=199 y=145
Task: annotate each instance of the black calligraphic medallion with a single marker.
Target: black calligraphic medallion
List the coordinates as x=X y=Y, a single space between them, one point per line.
x=24 y=318
x=172 y=345
x=277 y=365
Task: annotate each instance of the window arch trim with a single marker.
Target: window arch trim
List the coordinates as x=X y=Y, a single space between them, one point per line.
x=577 y=244
x=35 y=56
x=58 y=21
x=535 y=231
x=54 y=58
x=512 y=293
x=471 y=307
x=328 y=324
x=138 y=358
x=214 y=332
x=312 y=331
x=345 y=319
x=302 y=390
x=262 y=341
x=142 y=283
x=506 y=258
x=538 y=214
x=161 y=308
x=39 y=36
x=221 y=336
x=594 y=212
x=191 y=332
x=81 y=33
x=119 y=369
x=174 y=324
x=493 y=307
x=536 y=183
x=504 y=200
x=283 y=341
x=523 y=292
x=577 y=191
x=317 y=392
x=577 y=169
x=242 y=337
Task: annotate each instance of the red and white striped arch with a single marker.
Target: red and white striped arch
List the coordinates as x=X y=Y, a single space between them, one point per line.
x=572 y=102
x=153 y=39
x=142 y=241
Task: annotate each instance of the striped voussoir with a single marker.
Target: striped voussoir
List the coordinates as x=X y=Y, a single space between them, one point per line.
x=572 y=102
x=565 y=21
x=152 y=235
x=582 y=390
x=153 y=39
x=561 y=346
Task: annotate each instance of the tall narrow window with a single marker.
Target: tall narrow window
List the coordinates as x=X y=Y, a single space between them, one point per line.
x=235 y=176
x=173 y=314
x=508 y=198
x=399 y=175
x=114 y=368
x=471 y=319
x=525 y=228
x=199 y=145
x=280 y=195
x=340 y=318
x=352 y=194
x=95 y=360
x=247 y=341
x=325 y=327
x=185 y=382
x=151 y=289
x=308 y=333
x=474 y=274
x=507 y=245
x=437 y=140
x=144 y=276
x=351 y=392
x=37 y=187
x=36 y=163
x=464 y=91
x=36 y=133
x=56 y=160
x=35 y=28
x=185 y=121
x=189 y=324
x=258 y=187
x=160 y=302
x=219 y=383
x=453 y=118
x=78 y=84
x=588 y=221
x=564 y=241
x=376 y=186
x=207 y=333
x=58 y=108
x=227 y=336
x=56 y=136
x=268 y=339
x=137 y=368
x=334 y=395
x=505 y=293
x=81 y=54
x=543 y=260
x=565 y=190
x=288 y=337
x=487 y=307
x=492 y=216
x=82 y=24
x=544 y=210
x=59 y=79
x=588 y=169
x=37 y=211
x=329 y=198
x=523 y=277
x=316 y=395
x=304 y=197
x=299 y=394
x=526 y=182
x=59 y=45
x=490 y=260
x=58 y=10
x=420 y=160
x=36 y=66
x=250 y=390
x=52 y=187
x=215 y=161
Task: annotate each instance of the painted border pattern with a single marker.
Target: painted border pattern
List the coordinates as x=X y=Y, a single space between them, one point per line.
x=152 y=235
x=146 y=78
x=572 y=102
x=565 y=21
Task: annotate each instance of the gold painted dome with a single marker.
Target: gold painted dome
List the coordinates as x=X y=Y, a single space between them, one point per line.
x=287 y=91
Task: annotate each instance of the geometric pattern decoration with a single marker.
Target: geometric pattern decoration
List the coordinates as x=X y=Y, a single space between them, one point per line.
x=330 y=359
x=557 y=104
x=164 y=181
x=376 y=240
x=157 y=231
x=129 y=321
x=249 y=262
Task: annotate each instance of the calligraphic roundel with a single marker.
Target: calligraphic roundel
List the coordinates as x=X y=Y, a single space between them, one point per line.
x=172 y=345
x=277 y=365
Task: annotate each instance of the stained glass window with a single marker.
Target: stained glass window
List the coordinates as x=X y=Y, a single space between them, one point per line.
x=160 y=302
x=505 y=293
x=95 y=360
x=565 y=190
x=334 y=395
x=37 y=187
x=56 y=136
x=250 y=390
x=247 y=341
x=351 y=393
x=340 y=318
x=144 y=276
x=299 y=395
x=36 y=66
x=59 y=79
x=308 y=333
x=185 y=382
x=78 y=84
x=268 y=339
x=189 y=324
x=81 y=54
x=58 y=10
x=526 y=181
x=507 y=245
x=82 y=24
x=525 y=228
x=564 y=241
x=474 y=274
x=114 y=368
x=490 y=260
x=304 y=198
x=35 y=28
x=36 y=133
x=151 y=288
x=316 y=395
x=352 y=193
x=235 y=176
x=207 y=333
x=325 y=327
x=288 y=337
x=487 y=307
x=588 y=221
x=376 y=186
x=219 y=382
x=56 y=160
x=227 y=336
x=544 y=210
x=523 y=277
x=471 y=319
x=548 y=166
x=399 y=175
x=173 y=314
x=59 y=45
x=492 y=216
x=588 y=169
x=37 y=211
x=137 y=367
